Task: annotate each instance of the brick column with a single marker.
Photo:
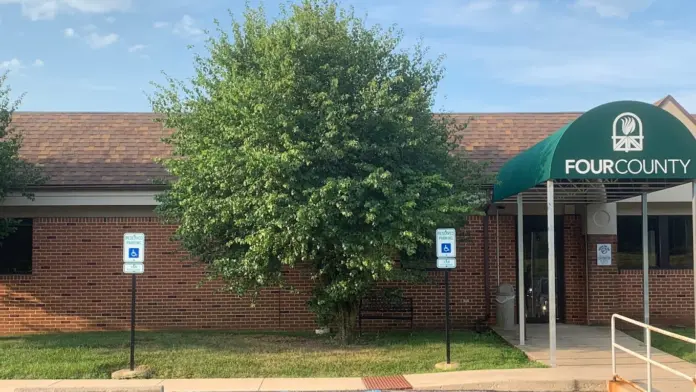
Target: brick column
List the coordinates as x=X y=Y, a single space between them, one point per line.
x=575 y=274
x=604 y=281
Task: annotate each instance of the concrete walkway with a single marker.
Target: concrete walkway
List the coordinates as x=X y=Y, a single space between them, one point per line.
x=585 y=349
x=561 y=380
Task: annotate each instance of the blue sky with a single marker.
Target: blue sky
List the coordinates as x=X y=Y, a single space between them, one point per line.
x=501 y=55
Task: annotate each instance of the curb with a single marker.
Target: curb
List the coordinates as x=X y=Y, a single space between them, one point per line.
x=95 y=389
x=527 y=386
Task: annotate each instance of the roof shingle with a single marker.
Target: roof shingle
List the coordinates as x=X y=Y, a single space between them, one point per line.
x=497 y=137
x=118 y=149
x=93 y=149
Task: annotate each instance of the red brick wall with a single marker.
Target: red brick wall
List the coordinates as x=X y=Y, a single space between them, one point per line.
x=467 y=297
x=603 y=281
x=78 y=284
x=615 y=291
x=574 y=258
x=671 y=296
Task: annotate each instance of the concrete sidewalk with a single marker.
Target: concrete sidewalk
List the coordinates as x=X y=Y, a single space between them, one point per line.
x=565 y=380
x=582 y=348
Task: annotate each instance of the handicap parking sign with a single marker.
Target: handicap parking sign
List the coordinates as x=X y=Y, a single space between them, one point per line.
x=446 y=242
x=133 y=248
x=446 y=248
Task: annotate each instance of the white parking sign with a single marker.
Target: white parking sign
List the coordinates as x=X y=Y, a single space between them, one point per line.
x=133 y=248
x=446 y=243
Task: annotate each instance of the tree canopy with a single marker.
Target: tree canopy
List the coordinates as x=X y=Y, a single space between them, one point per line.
x=310 y=141
x=16 y=174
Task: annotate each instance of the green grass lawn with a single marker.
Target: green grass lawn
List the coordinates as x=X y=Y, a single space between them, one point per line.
x=670 y=345
x=224 y=354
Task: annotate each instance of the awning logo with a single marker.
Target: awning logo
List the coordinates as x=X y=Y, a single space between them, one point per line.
x=630 y=135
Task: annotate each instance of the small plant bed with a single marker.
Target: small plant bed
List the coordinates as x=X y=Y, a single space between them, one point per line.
x=224 y=354
x=668 y=344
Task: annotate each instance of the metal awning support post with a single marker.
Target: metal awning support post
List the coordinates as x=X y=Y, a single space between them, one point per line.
x=552 y=271
x=520 y=268
x=646 y=266
x=646 y=280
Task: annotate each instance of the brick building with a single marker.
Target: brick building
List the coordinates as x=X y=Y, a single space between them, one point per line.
x=62 y=269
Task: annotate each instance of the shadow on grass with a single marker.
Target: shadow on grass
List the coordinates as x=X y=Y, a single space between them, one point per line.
x=203 y=354
x=668 y=344
x=243 y=342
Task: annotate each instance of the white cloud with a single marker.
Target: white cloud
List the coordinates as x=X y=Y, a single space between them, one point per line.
x=551 y=50
x=598 y=58
x=186 y=27
x=523 y=5
x=658 y=23
x=92 y=37
x=11 y=65
x=48 y=9
x=478 y=15
x=110 y=19
x=614 y=8
x=136 y=48
x=160 y=25
x=38 y=63
x=96 y=41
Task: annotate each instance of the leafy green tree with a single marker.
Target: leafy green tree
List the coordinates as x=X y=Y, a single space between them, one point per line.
x=309 y=141
x=16 y=174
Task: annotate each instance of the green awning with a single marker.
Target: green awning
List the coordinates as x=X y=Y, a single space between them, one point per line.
x=624 y=141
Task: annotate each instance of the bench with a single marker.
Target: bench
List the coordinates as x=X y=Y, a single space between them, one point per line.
x=381 y=308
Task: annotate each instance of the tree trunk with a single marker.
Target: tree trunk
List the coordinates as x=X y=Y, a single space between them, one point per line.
x=346 y=323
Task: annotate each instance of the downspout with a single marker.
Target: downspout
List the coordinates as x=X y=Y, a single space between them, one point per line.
x=497 y=241
x=587 y=282
x=486 y=269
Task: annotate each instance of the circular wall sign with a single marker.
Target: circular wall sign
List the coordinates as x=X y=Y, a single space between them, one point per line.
x=601 y=218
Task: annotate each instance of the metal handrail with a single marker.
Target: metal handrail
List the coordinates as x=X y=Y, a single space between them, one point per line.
x=649 y=361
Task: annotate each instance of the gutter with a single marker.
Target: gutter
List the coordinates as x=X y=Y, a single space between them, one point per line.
x=99 y=187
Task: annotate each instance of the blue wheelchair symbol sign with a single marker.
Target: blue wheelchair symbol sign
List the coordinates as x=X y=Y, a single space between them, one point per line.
x=446 y=248
x=134 y=252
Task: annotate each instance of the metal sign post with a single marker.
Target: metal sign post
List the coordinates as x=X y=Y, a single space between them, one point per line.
x=133 y=263
x=446 y=250
x=132 y=334
x=447 y=315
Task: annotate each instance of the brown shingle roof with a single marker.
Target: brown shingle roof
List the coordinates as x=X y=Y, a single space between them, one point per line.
x=93 y=149
x=118 y=149
x=497 y=137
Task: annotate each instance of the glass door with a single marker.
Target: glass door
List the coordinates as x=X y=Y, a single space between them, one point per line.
x=536 y=274
x=536 y=269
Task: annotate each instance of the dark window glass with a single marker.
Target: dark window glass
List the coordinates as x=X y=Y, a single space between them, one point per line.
x=629 y=254
x=680 y=244
x=16 y=250
x=669 y=242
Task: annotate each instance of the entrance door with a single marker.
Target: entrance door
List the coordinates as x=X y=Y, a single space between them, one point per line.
x=536 y=269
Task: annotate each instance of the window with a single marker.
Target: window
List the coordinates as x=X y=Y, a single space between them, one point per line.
x=16 y=250
x=669 y=242
x=680 y=244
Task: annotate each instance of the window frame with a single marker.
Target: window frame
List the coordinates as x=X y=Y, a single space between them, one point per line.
x=22 y=223
x=662 y=242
